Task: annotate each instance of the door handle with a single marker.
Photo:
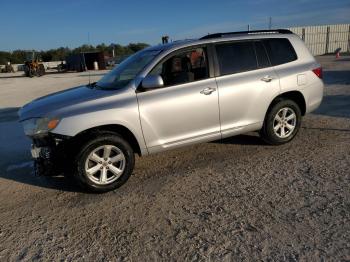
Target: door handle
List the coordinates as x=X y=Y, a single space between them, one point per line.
x=207 y=91
x=267 y=78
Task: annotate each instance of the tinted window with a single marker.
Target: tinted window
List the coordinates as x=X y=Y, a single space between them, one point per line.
x=280 y=51
x=183 y=67
x=263 y=60
x=236 y=57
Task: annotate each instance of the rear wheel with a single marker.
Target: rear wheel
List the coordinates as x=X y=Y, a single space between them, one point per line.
x=104 y=163
x=282 y=122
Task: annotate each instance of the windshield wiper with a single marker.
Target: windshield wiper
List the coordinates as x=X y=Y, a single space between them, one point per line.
x=92 y=85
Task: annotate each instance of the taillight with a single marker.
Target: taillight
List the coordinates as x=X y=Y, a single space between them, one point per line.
x=318 y=72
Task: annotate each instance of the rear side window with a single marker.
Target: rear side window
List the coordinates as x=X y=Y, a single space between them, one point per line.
x=280 y=51
x=236 y=57
x=261 y=56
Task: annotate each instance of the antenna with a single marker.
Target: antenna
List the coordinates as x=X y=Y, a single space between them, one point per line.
x=85 y=61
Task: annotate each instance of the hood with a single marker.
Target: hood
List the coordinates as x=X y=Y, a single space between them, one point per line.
x=52 y=104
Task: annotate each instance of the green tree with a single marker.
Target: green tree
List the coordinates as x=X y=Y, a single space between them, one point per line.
x=102 y=47
x=18 y=57
x=137 y=47
x=4 y=57
x=60 y=54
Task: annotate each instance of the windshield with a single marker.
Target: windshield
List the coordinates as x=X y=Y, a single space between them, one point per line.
x=123 y=73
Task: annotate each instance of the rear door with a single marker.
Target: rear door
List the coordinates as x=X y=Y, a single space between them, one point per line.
x=246 y=83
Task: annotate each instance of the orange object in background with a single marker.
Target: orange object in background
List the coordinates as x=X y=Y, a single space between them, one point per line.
x=337 y=53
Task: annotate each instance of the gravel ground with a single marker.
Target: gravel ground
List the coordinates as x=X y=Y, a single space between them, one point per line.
x=236 y=199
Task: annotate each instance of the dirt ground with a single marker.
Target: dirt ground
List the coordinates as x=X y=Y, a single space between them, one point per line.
x=231 y=200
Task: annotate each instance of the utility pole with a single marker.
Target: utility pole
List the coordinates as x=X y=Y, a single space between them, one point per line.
x=327 y=40
x=248 y=28
x=270 y=23
x=349 y=40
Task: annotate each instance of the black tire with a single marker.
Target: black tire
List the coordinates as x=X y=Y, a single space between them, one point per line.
x=267 y=132
x=29 y=72
x=97 y=140
x=41 y=70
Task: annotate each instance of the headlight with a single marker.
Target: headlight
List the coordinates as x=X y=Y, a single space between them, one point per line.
x=36 y=126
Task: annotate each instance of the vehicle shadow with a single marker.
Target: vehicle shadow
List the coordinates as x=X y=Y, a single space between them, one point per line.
x=246 y=139
x=15 y=160
x=333 y=77
x=26 y=176
x=23 y=173
x=334 y=105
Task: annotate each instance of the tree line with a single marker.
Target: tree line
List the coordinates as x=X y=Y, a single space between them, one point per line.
x=59 y=54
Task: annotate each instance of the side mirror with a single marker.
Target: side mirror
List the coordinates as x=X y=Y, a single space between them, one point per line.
x=152 y=82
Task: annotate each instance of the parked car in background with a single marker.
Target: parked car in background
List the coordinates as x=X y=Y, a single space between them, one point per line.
x=114 y=61
x=174 y=95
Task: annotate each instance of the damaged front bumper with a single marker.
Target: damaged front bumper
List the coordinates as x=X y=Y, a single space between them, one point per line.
x=49 y=154
x=35 y=151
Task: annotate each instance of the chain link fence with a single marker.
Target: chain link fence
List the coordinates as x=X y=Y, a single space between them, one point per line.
x=325 y=39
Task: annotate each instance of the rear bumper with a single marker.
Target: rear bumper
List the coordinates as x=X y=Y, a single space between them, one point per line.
x=314 y=95
x=312 y=107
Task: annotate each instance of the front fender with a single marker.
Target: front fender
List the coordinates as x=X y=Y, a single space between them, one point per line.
x=128 y=118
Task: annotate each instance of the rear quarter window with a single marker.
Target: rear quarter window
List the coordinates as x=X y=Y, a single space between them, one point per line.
x=280 y=51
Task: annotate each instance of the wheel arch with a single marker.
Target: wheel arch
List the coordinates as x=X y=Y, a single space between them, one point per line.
x=295 y=96
x=121 y=130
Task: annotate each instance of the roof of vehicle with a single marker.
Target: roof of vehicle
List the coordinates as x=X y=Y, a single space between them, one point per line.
x=217 y=37
x=242 y=33
x=170 y=45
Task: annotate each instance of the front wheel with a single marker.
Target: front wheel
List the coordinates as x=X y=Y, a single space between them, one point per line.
x=104 y=163
x=282 y=123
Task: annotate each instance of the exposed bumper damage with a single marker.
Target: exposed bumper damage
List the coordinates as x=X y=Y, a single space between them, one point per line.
x=50 y=155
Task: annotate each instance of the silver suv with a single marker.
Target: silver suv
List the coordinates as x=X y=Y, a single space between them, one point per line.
x=173 y=95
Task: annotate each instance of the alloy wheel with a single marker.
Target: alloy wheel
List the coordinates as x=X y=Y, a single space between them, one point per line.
x=105 y=164
x=284 y=122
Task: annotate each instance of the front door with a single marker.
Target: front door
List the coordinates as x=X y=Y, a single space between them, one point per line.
x=186 y=109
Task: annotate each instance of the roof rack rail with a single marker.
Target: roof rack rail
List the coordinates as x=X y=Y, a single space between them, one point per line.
x=253 y=32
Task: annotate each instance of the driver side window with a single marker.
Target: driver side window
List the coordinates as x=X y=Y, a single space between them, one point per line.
x=183 y=67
